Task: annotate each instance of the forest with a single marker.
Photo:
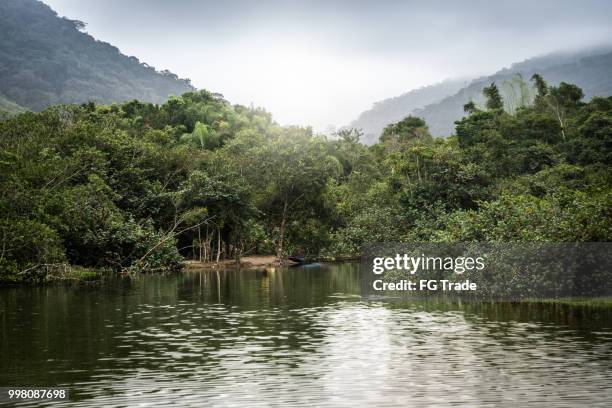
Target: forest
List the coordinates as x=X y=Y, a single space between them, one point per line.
x=141 y=187
x=46 y=59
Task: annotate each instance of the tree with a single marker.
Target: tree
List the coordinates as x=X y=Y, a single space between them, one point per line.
x=540 y=84
x=518 y=93
x=202 y=136
x=117 y=187
x=406 y=130
x=562 y=99
x=493 y=97
x=291 y=173
x=470 y=107
x=223 y=201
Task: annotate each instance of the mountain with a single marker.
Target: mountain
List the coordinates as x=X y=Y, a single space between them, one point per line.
x=45 y=59
x=391 y=110
x=590 y=69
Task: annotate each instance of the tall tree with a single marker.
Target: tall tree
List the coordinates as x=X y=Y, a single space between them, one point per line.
x=494 y=99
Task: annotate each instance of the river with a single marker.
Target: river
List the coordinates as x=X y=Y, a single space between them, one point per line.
x=296 y=336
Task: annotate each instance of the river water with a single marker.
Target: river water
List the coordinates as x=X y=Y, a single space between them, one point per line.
x=297 y=336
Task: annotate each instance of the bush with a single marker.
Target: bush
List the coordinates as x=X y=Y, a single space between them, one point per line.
x=25 y=243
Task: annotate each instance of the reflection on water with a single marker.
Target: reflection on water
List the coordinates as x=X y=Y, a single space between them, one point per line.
x=297 y=337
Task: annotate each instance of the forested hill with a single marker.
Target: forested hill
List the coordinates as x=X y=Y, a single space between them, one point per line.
x=391 y=110
x=590 y=69
x=46 y=59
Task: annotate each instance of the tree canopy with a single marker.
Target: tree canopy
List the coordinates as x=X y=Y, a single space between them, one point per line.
x=140 y=186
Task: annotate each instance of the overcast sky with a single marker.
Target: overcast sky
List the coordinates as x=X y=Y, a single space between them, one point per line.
x=323 y=62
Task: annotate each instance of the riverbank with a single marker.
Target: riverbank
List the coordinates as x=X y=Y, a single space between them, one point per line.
x=258 y=261
x=248 y=262
x=44 y=274
x=604 y=302
x=52 y=273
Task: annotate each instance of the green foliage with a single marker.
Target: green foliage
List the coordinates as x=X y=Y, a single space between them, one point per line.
x=27 y=242
x=470 y=107
x=202 y=137
x=138 y=187
x=493 y=97
x=289 y=173
x=539 y=173
x=409 y=128
x=564 y=216
x=540 y=85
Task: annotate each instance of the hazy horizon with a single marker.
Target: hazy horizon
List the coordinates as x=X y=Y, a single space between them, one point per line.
x=322 y=63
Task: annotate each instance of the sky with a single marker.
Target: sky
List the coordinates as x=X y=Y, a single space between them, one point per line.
x=321 y=63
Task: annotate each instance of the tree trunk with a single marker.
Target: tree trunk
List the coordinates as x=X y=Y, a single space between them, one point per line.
x=281 y=234
x=207 y=246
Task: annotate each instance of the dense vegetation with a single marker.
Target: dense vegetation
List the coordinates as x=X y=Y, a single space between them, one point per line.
x=47 y=60
x=139 y=186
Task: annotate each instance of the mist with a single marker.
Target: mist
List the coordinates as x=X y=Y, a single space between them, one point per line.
x=321 y=63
